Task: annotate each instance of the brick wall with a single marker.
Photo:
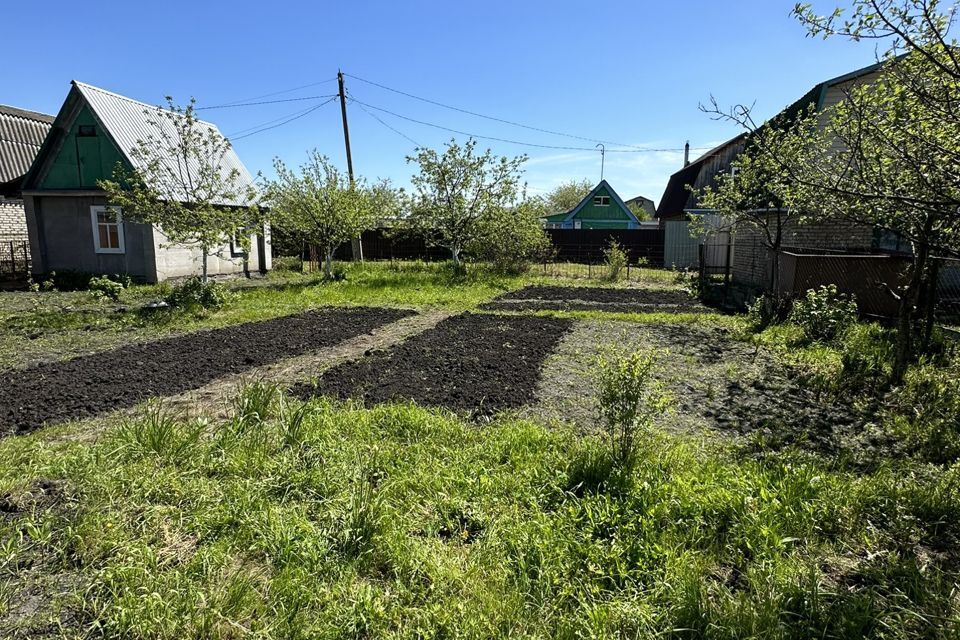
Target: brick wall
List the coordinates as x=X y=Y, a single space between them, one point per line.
x=752 y=260
x=13 y=221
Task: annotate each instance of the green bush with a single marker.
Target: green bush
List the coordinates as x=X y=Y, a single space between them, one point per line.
x=102 y=287
x=510 y=239
x=615 y=260
x=193 y=293
x=287 y=263
x=767 y=310
x=823 y=313
x=629 y=398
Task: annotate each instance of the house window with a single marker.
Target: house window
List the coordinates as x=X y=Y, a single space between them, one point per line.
x=87 y=131
x=577 y=224
x=601 y=201
x=107 y=229
x=734 y=170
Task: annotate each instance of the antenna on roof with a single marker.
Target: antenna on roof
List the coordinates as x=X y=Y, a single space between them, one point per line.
x=603 y=152
x=686 y=153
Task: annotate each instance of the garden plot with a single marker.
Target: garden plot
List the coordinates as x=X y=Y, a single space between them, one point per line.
x=479 y=364
x=718 y=384
x=629 y=300
x=89 y=385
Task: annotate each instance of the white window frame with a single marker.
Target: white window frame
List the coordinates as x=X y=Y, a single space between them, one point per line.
x=601 y=201
x=95 y=211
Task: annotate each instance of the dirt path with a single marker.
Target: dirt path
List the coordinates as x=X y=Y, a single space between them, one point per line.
x=214 y=398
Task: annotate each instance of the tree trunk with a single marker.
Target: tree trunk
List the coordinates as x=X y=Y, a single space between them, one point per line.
x=455 y=254
x=908 y=304
x=203 y=277
x=328 y=263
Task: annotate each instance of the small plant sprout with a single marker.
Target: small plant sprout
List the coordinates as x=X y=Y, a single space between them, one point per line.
x=629 y=397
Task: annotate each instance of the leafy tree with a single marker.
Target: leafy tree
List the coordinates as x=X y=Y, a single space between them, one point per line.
x=897 y=161
x=567 y=195
x=760 y=196
x=179 y=185
x=457 y=190
x=321 y=206
x=890 y=153
x=637 y=210
x=511 y=237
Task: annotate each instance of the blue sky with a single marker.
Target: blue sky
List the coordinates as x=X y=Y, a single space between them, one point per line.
x=628 y=72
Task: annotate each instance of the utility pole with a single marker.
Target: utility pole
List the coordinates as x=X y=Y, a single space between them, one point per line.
x=355 y=244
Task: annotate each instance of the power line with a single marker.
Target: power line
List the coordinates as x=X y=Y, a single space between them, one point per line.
x=380 y=120
x=280 y=124
x=480 y=115
x=277 y=93
x=251 y=104
x=516 y=142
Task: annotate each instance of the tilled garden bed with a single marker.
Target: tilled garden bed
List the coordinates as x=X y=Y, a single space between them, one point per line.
x=478 y=364
x=86 y=386
x=628 y=300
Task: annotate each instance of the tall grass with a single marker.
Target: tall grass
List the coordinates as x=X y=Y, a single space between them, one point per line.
x=326 y=520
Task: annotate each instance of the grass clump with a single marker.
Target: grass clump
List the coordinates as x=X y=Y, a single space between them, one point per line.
x=327 y=520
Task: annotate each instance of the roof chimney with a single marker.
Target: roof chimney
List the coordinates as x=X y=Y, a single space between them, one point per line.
x=686 y=154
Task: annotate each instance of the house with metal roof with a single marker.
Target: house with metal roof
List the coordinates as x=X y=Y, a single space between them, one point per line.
x=69 y=223
x=750 y=262
x=21 y=134
x=602 y=208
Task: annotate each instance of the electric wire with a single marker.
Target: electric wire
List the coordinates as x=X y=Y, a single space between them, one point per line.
x=277 y=93
x=280 y=124
x=508 y=141
x=380 y=120
x=252 y=104
x=495 y=119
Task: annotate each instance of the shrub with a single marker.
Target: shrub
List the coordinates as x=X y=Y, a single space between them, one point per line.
x=629 y=398
x=767 y=310
x=615 y=260
x=193 y=292
x=823 y=313
x=511 y=238
x=288 y=263
x=101 y=287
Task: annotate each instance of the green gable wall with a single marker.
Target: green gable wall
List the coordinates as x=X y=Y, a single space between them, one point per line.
x=612 y=216
x=81 y=161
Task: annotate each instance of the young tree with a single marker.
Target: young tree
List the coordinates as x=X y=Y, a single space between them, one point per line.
x=637 y=210
x=179 y=184
x=566 y=195
x=456 y=190
x=511 y=237
x=319 y=205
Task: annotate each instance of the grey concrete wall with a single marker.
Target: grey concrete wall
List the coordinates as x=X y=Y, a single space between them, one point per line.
x=178 y=260
x=61 y=239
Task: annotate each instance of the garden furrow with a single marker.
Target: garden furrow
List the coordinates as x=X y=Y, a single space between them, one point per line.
x=55 y=392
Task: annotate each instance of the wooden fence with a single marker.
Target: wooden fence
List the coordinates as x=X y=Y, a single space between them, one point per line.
x=571 y=245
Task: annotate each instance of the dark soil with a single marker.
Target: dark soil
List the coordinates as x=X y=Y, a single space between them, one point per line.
x=628 y=300
x=478 y=364
x=86 y=386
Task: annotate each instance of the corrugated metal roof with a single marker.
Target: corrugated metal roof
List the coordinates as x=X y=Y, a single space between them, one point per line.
x=128 y=122
x=21 y=134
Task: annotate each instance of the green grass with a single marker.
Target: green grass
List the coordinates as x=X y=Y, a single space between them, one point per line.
x=315 y=521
